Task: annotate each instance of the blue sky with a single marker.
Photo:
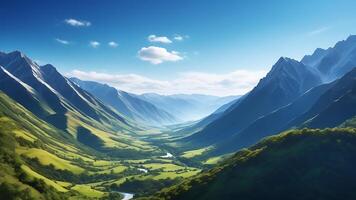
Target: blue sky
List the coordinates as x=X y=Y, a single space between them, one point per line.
x=211 y=47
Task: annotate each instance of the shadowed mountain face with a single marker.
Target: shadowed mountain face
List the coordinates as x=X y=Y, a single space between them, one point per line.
x=324 y=106
x=287 y=80
x=334 y=106
x=127 y=104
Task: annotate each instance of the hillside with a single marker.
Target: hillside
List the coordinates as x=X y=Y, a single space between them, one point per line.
x=297 y=164
x=53 y=98
x=39 y=161
x=60 y=142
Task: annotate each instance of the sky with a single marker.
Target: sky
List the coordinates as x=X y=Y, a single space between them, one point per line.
x=167 y=46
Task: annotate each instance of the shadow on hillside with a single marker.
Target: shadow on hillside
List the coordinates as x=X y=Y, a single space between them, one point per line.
x=58 y=120
x=86 y=137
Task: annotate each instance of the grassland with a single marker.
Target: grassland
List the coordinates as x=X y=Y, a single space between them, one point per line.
x=55 y=165
x=194 y=153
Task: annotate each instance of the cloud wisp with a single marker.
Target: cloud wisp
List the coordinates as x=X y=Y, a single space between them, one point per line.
x=94 y=44
x=77 y=23
x=158 y=55
x=113 y=44
x=159 y=39
x=319 y=31
x=233 y=83
x=65 y=42
x=180 y=37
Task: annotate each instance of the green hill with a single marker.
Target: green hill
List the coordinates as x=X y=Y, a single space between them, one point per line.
x=298 y=164
x=40 y=161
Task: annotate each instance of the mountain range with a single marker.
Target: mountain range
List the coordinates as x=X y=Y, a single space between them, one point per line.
x=128 y=104
x=293 y=94
x=291 y=137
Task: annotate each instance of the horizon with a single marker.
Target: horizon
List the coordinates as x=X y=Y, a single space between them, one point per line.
x=134 y=50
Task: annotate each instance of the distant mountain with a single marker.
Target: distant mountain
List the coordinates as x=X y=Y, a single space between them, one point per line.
x=334 y=62
x=127 y=104
x=187 y=107
x=300 y=164
x=199 y=125
x=287 y=80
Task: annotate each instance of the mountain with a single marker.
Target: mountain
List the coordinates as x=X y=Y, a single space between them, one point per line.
x=298 y=164
x=334 y=62
x=58 y=101
x=293 y=94
x=187 y=107
x=273 y=122
x=287 y=80
x=127 y=104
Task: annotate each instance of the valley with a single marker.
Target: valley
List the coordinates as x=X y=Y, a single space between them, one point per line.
x=74 y=139
x=195 y=100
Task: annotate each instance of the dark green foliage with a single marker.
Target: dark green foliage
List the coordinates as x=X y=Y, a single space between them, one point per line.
x=11 y=192
x=301 y=164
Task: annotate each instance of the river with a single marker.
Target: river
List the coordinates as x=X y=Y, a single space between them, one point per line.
x=168 y=155
x=127 y=196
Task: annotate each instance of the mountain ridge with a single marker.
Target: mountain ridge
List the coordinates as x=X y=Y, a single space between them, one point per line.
x=127 y=104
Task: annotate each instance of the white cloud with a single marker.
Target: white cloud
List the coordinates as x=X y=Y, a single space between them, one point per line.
x=157 y=55
x=94 y=44
x=113 y=44
x=62 y=41
x=233 y=83
x=161 y=39
x=318 y=31
x=178 y=37
x=75 y=22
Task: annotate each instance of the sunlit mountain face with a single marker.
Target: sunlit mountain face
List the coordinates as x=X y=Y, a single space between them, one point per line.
x=176 y=100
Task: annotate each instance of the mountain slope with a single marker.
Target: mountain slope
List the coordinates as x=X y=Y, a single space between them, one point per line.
x=273 y=122
x=127 y=104
x=299 y=164
x=21 y=133
x=55 y=99
x=287 y=80
x=334 y=106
